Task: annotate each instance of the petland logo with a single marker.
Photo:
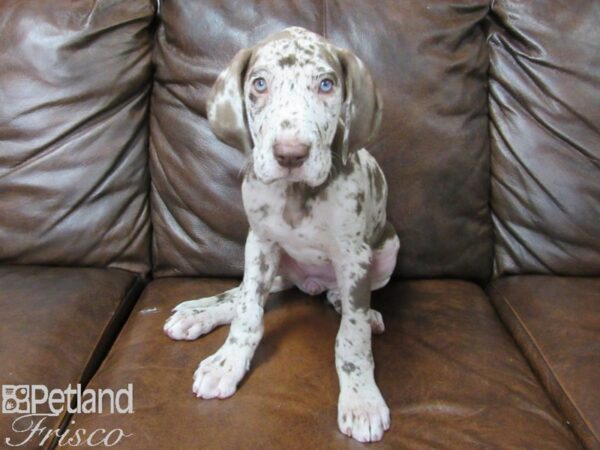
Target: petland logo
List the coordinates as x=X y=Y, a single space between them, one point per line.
x=34 y=401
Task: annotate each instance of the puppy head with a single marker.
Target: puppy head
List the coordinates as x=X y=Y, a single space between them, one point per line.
x=294 y=103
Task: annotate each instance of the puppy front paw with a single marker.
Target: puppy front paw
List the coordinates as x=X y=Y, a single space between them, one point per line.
x=218 y=375
x=363 y=415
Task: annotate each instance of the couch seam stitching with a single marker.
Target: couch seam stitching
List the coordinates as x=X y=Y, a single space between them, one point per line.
x=551 y=372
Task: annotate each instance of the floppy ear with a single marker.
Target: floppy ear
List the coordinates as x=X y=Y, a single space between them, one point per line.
x=225 y=105
x=362 y=109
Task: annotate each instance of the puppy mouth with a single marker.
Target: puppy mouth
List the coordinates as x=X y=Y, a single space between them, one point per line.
x=294 y=174
x=297 y=175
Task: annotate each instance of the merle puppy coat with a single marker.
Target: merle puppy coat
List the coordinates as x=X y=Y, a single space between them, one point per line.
x=303 y=111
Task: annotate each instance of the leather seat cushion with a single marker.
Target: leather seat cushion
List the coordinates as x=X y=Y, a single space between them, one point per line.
x=450 y=372
x=57 y=324
x=556 y=320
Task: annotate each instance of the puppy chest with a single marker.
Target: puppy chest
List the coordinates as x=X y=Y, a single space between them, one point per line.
x=302 y=237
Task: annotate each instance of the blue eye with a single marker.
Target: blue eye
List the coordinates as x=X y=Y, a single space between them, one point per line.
x=260 y=84
x=326 y=86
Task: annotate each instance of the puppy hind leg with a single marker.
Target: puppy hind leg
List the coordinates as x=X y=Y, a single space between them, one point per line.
x=194 y=318
x=334 y=298
x=280 y=283
x=205 y=302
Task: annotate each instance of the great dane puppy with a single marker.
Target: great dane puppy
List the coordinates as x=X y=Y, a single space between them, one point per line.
x=303 y=111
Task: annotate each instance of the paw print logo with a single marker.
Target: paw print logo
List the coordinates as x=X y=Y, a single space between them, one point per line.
x=15 y=399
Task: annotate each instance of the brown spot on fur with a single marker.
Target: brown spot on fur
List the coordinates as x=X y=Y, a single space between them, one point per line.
x=338 y=168
x=223 y=296
x=289 y=60
x=378 y=184
x=299 y=199
x=308 y=51
x=263 y=211
x=260 y=289
x=382 y=235
x=262 y=263
x=360 y=293
x=360 y=199
x=349 y=367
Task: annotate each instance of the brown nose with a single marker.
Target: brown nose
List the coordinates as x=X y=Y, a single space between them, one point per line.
x=290 y=152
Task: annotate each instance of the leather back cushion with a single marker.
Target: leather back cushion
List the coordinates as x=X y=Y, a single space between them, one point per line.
x=74 y=88
x=545 y=133
x=429 y=61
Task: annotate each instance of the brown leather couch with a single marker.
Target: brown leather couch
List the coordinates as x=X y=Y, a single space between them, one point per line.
x=117 y=202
